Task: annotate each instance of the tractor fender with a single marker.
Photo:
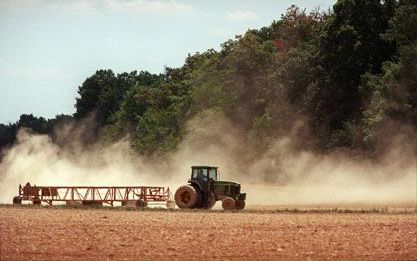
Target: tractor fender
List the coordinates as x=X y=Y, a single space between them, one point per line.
x=193 y=182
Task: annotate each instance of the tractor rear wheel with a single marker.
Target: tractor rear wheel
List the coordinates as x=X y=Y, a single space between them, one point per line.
x=228 y=203
x=240 y=204
x=200 y=203
x=186 y=197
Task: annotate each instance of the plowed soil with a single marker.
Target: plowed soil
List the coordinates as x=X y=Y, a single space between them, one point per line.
x=100 y=234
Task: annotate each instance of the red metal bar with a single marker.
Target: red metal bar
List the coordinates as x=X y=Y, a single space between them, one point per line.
x=93 y=194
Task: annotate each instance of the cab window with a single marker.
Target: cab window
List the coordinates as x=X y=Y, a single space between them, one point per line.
x=203 y=172
x=212 y=174
x=195 y=173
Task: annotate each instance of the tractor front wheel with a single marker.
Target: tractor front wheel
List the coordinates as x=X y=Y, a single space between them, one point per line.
x=228 y=204
x=186 y=197
x=240 y=204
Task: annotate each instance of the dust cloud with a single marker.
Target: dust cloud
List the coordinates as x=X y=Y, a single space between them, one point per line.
x=36 y=159
x=279 y=176
x=283 y=176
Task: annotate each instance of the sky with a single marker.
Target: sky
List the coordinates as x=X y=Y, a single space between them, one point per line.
x=49 y=47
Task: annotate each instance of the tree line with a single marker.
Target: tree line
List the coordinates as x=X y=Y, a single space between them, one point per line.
x=349 y=74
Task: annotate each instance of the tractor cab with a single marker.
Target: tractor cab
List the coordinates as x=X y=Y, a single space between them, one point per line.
x=204 y=173
x=202 y=178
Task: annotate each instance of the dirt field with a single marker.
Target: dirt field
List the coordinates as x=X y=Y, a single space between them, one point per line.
x=56 y=233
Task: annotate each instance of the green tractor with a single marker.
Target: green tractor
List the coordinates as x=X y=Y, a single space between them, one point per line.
x=204 y=189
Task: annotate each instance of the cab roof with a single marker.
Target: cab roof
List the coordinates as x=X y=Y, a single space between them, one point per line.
x=202 y=167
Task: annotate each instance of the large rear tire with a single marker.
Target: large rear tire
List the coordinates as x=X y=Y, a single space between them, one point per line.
x=200 y=203
x=228 y=204
x=186 y=197
x=240 y=204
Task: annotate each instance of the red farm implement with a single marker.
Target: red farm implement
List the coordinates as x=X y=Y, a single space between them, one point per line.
x=83 y=195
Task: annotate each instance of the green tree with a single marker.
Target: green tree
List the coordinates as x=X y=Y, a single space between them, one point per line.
x=351 y=46
x=246 y=69
x=97 y=94
x=390 y=97
x=7 y=135
x=37 y=125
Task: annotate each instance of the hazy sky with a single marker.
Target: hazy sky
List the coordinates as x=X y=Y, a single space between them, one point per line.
x=48 y=48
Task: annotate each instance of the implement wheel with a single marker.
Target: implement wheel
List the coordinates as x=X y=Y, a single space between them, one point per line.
x=186 y=197
x=228 y=204
x=141 y=203
x=240 y=204
x=36 y=202
x=17 y=200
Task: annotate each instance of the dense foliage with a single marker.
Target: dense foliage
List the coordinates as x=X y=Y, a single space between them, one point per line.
x=348 y=74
